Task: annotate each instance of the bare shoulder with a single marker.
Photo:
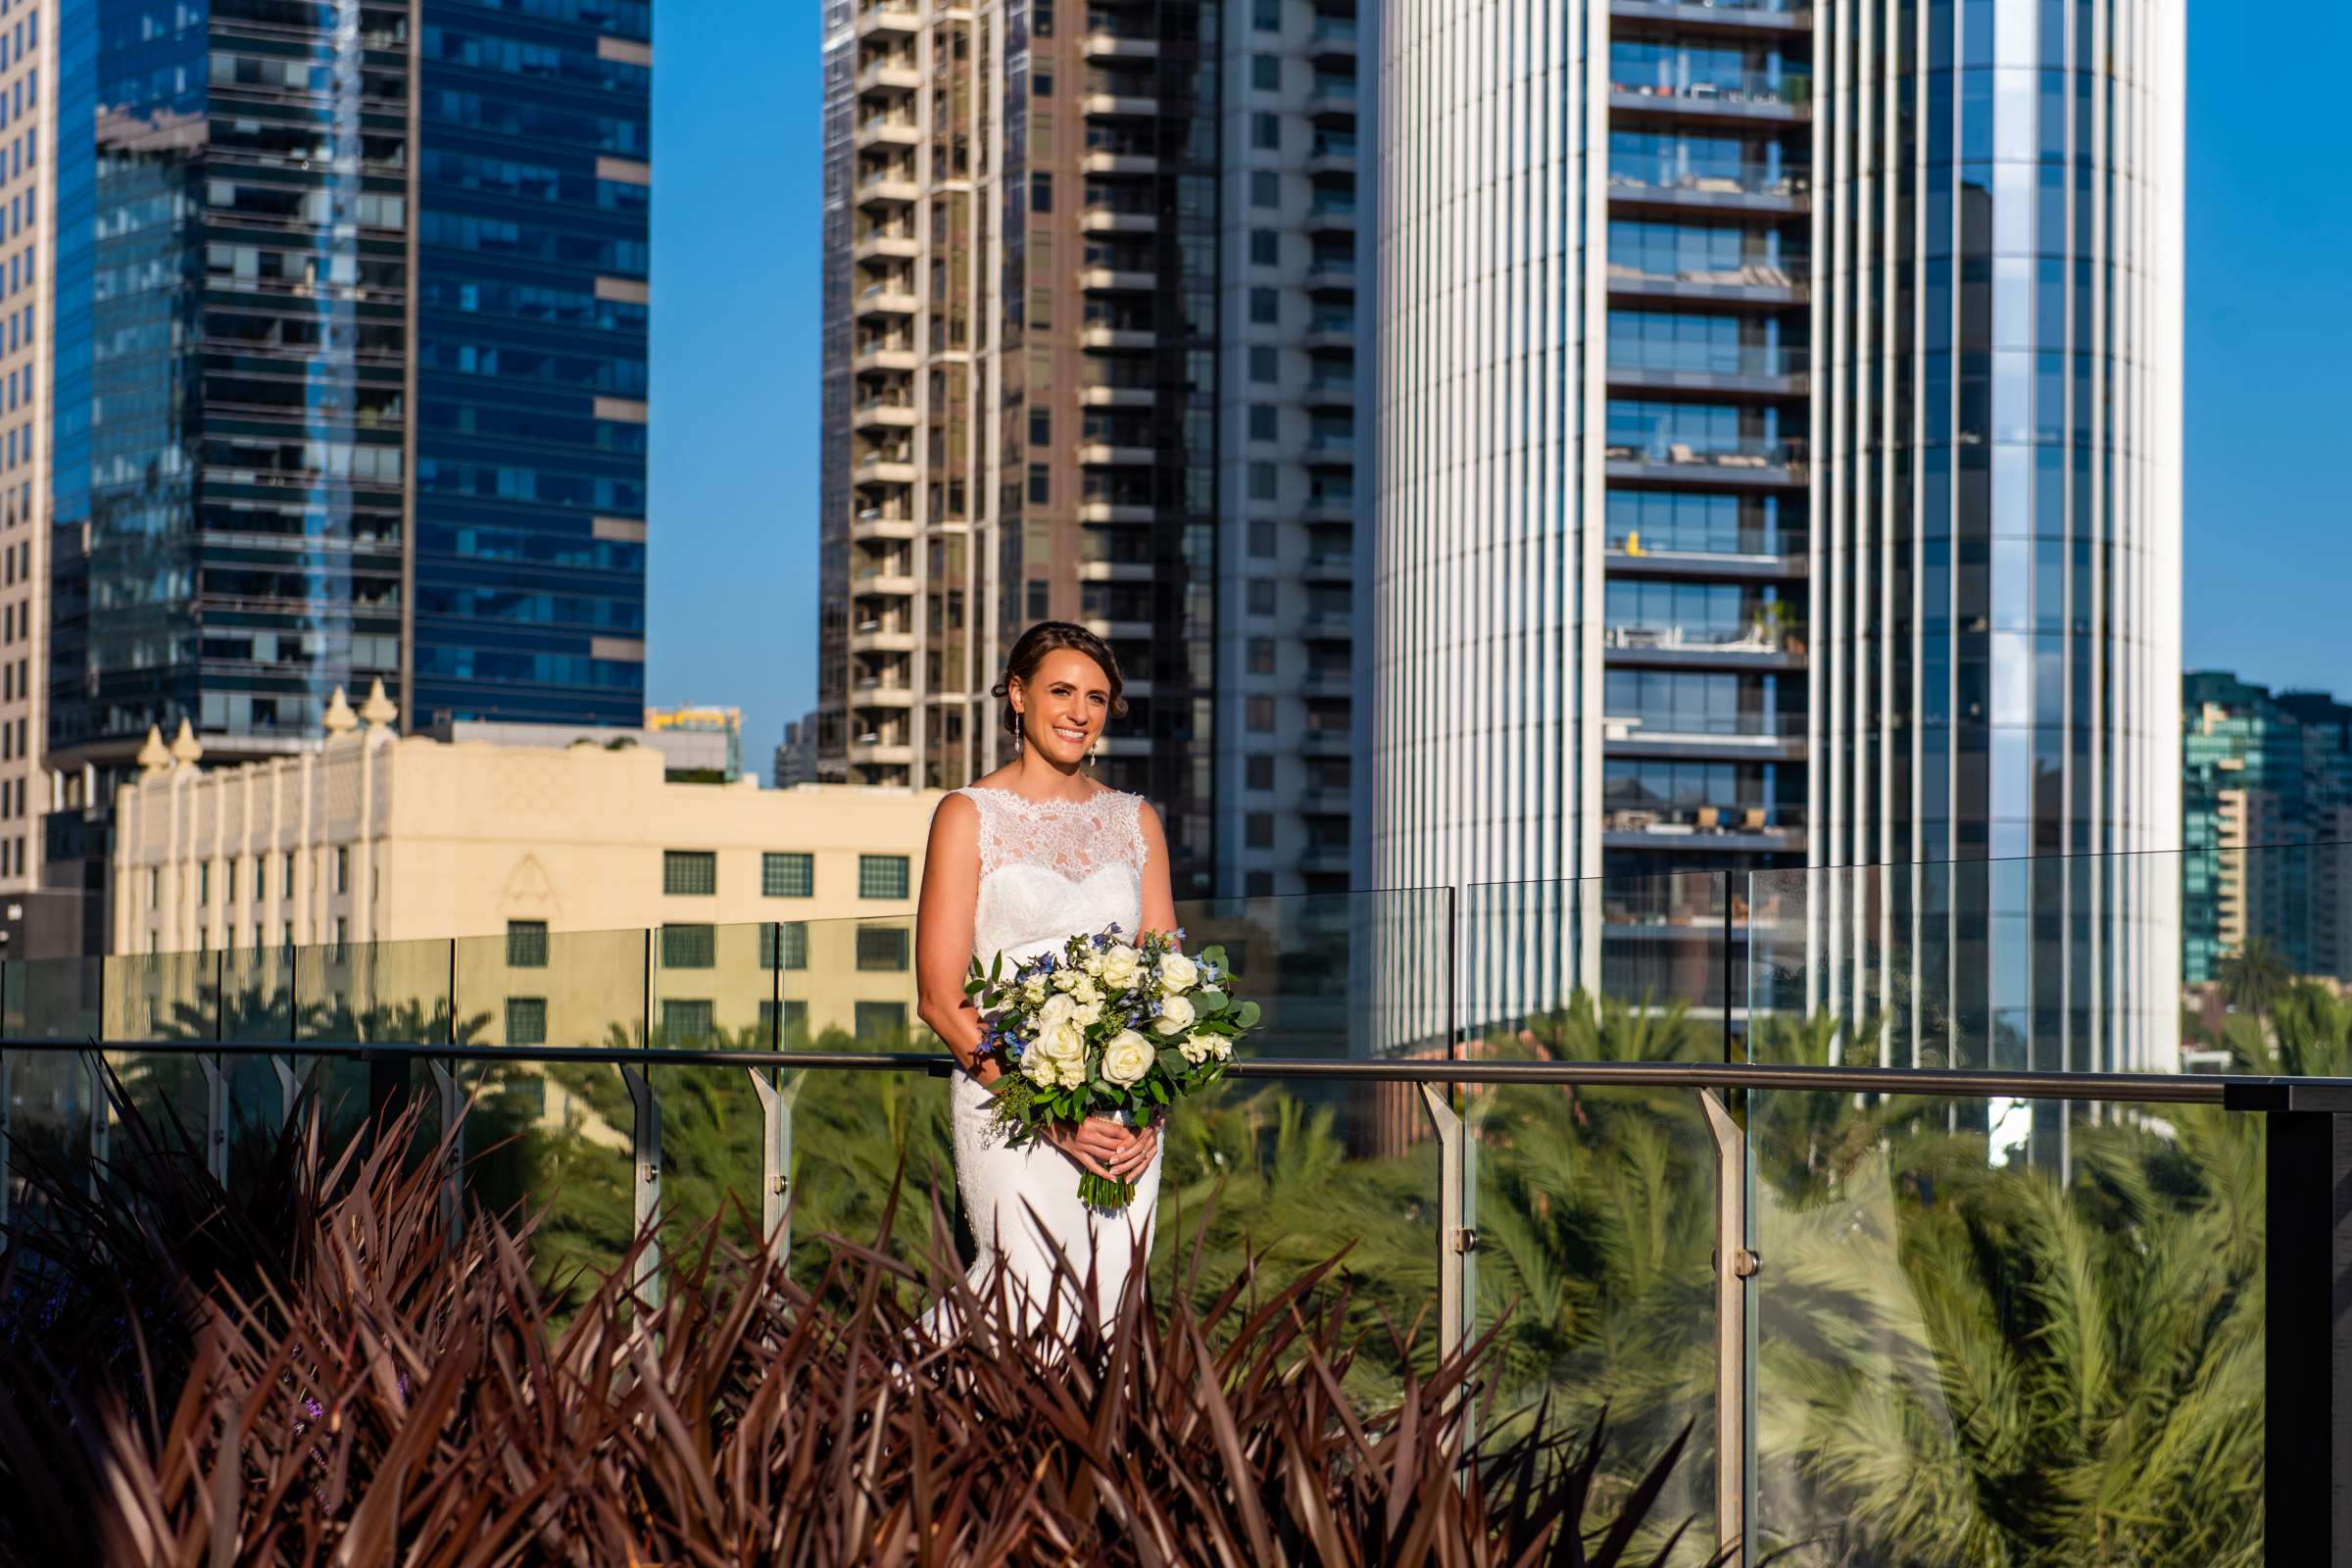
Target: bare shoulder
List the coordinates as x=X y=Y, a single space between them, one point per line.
x=956 y=815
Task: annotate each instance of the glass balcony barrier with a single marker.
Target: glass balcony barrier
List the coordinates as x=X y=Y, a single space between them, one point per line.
x=1627 y=353
x=1691 y=82
x=1699 y=448
x=1634 y=170
x=1706 y=540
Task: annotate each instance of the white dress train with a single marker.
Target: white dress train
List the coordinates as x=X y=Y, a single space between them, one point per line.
x=1049 y=871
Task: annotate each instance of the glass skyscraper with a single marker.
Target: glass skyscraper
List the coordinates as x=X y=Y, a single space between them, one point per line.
x=350 y=367
x=1778 y=466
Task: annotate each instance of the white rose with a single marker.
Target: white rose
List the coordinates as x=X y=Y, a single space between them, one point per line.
x=1127 y=1057
x=1175 y=1016
x=1093 y=964
x=1088 y=1014
x=1197 y=1049
x=1121 y=966
x=1177 y=973
x=1064 y=1045
x=1087 y=991
x=1054 y=1012
x=1065 y=979
x=1037 y=1070
x=1033 y=992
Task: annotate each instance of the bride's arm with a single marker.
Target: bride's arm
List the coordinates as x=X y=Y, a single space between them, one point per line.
x=942 y=932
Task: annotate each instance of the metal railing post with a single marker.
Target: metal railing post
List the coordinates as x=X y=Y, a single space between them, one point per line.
x=1457 y=1229
x=93 y=1063
x=645 y=1179
x=2307 y=1342
x=452 y=1151
x=777 y=1098
x=1736 y=1267
x=215 y=1078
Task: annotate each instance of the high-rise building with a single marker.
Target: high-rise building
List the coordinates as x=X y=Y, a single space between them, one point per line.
x=1087 y=357
x=795 y=761
x=28 y=51
x=1778 y=465
x=2265 y=821
x=350 y=327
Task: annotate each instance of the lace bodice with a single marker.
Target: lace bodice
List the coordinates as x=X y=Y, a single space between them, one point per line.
x=1050 y=869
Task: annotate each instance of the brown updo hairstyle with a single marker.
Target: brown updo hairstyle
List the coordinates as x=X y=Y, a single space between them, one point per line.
x=1049 y=637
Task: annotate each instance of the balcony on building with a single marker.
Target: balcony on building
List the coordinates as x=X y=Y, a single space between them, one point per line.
x=1327 y=677
x=1641 y=366
x=1332 y=152
x=1707 y=645
x=888 y=295
x=1326 y=741
x=1116 y=209
x=1331 y=40
x=887 y=574
x=1118 y=90
x=1117 y=35
x=1111 y=324
x=892 y=633
x=889 y=19
x=1661 y=441
x=1758 y=554
x=1329 y=616
x=889 y=519
x=886 y=184
x=1331 y=266
x=1733 y=20
x=1677 y=827
x=1768 y=737
x=885 y=461
x=894 y=240
x=1331 y=97
x=1328 y=565
x=1331 y=387
x=887 y=74
x=1720 y=267
x=891 y=128
x=1331 y=498
x=883 y=405
x=883 y=692
x=1324 y=801
x=1700 y=82
x=1678 y=171
x=1331 y=209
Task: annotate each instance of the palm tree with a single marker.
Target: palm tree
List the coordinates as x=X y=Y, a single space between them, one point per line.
x=2255 y=976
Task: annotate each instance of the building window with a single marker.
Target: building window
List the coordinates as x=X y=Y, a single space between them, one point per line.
x=1038 y=590
x=1264 y=422
x=342 y=868
x=527 y=1021
x=1260 y=712
x=1258 y=771
x=1266 y=364
x=288 y=936
x=1261 y=655
x=785 y=1022
x=1265 y=131
x=1265 y=188
x=1260 y=828
x=1265 y=306
x=1266 y=15
x=526 y=943
x=784 y=945
x=1041 y=427
x=1261 y=596
x=882 y=948
x=228 y=882
x=1263 y=538
x=1041 y=192
x=1040 y=485
x=342 y=939
x=287 y=889
x=1042 y=81
x=689 y=947
x=685 y=1022
x=881 y=1022
x=1265 y=72
x=788 y=874
x=881 y=876
x=155 y=887
x=1265 y=481
x=1265 y=248
x=204 y=882
x=689 y=872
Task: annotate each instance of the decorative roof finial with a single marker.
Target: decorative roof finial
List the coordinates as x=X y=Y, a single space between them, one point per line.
x=186 y=746
x=379 y=710
x=155 y=755
x=339 y=716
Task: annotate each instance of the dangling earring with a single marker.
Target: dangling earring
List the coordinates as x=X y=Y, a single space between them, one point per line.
x=1090 y=753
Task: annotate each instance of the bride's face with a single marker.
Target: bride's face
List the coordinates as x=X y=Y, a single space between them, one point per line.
x=1064 y=706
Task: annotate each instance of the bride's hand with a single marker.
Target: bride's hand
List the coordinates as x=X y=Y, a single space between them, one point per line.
x=1142 y=1147
x=1096 y=1143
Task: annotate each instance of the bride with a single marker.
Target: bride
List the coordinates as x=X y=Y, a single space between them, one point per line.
x=1018 y=863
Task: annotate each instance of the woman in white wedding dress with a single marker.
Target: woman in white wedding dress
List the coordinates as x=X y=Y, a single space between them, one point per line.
x=1018 y=863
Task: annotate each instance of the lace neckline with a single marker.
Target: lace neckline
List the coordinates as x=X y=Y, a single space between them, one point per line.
x=1023 y=803
x=1075 y=838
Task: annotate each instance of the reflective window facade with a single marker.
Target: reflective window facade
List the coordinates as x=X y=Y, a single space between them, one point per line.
x=231 y=406
x=532 y=267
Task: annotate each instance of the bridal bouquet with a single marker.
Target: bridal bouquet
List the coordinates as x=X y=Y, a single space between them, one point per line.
x=1105 y=1027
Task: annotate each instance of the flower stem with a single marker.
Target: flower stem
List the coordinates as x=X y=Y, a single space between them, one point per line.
x=1103 y=1192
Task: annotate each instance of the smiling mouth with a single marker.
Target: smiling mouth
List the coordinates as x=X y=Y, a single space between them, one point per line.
x=1069 y=734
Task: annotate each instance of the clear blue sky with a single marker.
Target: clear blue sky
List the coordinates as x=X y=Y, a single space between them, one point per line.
x=2268 y=589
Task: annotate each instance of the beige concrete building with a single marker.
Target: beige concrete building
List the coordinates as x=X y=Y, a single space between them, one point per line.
x=537 y=894
x=27 y=36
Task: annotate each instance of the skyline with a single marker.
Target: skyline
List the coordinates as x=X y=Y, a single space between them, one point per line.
x=731 y=616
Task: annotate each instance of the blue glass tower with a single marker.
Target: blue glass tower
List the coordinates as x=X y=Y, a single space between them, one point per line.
x=533 y=185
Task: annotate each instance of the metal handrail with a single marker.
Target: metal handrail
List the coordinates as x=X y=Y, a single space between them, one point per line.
x=2149 y=1088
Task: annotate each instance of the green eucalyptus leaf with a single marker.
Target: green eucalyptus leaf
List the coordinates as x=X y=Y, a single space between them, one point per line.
x=1208 y=1001
x=1246 y=1015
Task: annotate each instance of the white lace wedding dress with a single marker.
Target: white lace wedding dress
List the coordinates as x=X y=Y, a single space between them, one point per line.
x=1048 y=870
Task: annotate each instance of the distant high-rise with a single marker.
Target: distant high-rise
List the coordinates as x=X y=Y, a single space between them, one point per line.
x=2266 y=796
x=1777 y=462
x=1088 y=346
x=349 y=370
x=27 y=191
x=795 y=761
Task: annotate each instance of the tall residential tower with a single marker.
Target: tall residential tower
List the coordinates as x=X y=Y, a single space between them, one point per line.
x=1778 y=433
x=1087 y=329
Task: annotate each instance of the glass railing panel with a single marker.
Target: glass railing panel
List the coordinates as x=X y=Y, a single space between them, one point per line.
x=535 y=987
x=1291 y=1173
x=854 y=1140
x=163 y=996
x=49 y=1095
x=718 y=986
x=1312 y=963
x=1611 y=969
x=1595 y=1225
x=850 y=985
x=1953 y=1333
x=553 y=1139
